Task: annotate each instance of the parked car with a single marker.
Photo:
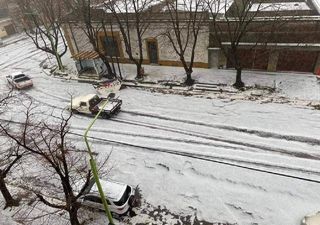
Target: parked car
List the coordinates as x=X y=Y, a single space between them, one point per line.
x=92 y=103
x=120 y=196
x=312 y=219
x=19 y=81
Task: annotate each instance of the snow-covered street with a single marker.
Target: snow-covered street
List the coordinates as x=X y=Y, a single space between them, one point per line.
x=197 y=156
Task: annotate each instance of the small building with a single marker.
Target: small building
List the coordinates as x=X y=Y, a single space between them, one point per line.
x=291 y=42
x=293 y=46
x=157 y=49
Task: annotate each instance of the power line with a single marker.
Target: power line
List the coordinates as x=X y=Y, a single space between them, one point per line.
x=192 y=155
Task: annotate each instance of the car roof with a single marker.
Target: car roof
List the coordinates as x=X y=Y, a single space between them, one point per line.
x=112 y=189
x=82 y=98
x=17 y=73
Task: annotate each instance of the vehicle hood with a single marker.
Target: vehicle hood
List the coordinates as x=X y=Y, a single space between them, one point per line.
x=113 y=190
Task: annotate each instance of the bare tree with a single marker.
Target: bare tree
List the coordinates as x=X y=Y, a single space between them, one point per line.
x=9 y=159
x=187 y=18
x=233 y=22
x=132 y=18
x=65 y=165
x=92 y=22
x=10 y=156
x=45 y=16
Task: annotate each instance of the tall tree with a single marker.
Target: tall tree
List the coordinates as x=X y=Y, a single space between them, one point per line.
x=132 y=18
x=187 y=19
x=45 y=16
x=65 y=165
x=10 y=156
x=233 y=22
x=84 y=15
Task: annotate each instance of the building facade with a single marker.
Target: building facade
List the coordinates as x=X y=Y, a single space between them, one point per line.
x=291 y=42
x=292 y=45
x=7 y=26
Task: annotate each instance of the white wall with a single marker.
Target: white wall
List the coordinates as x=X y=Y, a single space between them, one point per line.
x=166 y=51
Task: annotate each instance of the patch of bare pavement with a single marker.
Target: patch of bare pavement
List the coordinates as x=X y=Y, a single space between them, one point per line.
x=164 y=216
x=154 y=215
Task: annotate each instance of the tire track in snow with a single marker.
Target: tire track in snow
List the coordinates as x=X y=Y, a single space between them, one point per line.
x=260 y=133
x=202 y=135
x=51 y=95
x=220 y=159
x=227 y=160
x=195 y=134
x=234 y=142
x=172 y=139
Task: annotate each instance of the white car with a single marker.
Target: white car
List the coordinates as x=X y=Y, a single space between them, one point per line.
x=312 y=219
x=19 y=81
x=120 y=196
x=92 y=103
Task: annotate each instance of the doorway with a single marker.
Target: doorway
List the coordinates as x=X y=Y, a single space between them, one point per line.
x=152 y=48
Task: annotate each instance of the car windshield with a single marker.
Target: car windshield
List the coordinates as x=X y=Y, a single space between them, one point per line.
x=124 y=198
x=94 y=101
x=95 y=199
x=19 y=76
x=21 y=79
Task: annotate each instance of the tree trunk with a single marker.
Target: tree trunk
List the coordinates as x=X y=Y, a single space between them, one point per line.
x=238 y=83
x=111 y=73
x=73 y=214
x=189 y=80
x=139 y=71
x=60 y=65
x=6 y=194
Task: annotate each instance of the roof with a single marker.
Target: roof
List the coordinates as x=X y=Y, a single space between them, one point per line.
x=16 y=73
x=128 y=7
x=220 y=6
x=280 y=6
x=316 y=4
x=113 y=190
x=86 y=55
x=83 y=98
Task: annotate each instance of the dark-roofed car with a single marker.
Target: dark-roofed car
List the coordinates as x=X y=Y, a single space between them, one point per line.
x=120 y=196
x=19 y=81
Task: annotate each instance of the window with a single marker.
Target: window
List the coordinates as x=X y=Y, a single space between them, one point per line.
x=95 y=199
x=112 y=46
x=94 y=101
x=124 y=197
x=83 y=104
x=92 y=198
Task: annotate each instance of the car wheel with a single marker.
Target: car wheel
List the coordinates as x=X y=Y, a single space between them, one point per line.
x=74 y=111
x=115 y=216
x=106 y=116
x=132 y=213
x=132 y=201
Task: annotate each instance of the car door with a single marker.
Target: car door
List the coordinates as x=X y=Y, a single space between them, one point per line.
x=83 y=108
x=93 y=201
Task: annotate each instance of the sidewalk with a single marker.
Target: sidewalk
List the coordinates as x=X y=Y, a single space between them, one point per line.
x=303 y=86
